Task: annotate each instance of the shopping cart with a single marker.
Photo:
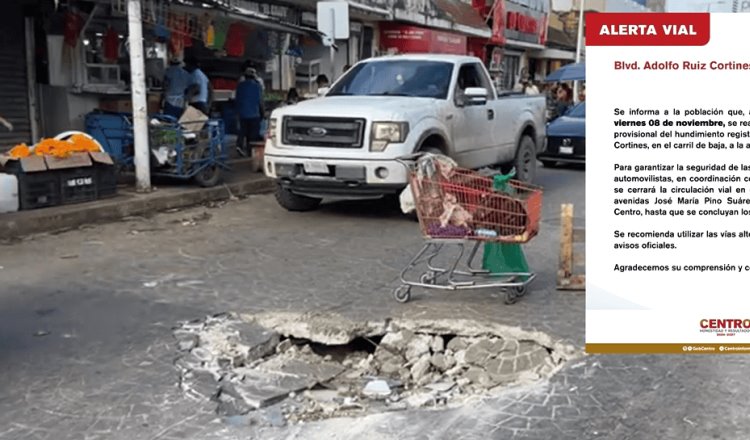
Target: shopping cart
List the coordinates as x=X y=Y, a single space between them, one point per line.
x=460 y=207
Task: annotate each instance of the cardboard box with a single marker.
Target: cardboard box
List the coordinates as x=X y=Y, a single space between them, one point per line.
x=49 y=181
x=193 y=120
x=34 y=164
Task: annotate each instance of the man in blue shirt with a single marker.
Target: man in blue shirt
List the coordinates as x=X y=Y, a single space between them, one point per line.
x=249 y=101
x=199 y=87
x=176 y=82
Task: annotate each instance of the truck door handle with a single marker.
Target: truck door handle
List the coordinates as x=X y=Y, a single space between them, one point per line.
x=490 y=114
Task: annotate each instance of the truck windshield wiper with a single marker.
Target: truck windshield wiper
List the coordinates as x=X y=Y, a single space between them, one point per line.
x=389 y=94
x=339 y=94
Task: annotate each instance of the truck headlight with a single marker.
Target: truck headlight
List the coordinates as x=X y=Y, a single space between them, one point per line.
x=271 y=130
x=384 y=133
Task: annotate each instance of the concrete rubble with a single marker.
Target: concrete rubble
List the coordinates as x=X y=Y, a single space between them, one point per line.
x=280 y=368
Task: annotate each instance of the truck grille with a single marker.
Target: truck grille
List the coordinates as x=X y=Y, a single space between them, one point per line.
x=323 y=132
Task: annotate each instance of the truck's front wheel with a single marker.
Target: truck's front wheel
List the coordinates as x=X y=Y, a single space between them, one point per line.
x=295 y=202
x=525 y=162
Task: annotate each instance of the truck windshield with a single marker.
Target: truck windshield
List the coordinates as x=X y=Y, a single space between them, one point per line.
x=426 y=79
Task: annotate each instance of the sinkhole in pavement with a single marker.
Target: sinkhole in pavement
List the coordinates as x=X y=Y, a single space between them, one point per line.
x=275 y=368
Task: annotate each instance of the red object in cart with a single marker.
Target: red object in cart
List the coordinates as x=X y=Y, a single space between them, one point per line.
x=460 y=204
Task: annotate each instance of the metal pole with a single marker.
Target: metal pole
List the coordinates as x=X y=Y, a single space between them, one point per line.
x=333 y=51
x=31 y=79
x=138 y=91
x=579 y=46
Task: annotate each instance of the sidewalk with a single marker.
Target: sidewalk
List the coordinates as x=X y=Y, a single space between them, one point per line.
x=239 y=181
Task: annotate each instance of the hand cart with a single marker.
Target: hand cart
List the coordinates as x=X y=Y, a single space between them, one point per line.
x=461 y=207
x=187 y=150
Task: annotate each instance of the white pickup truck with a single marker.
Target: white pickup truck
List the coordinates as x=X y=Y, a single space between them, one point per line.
x=345 y=143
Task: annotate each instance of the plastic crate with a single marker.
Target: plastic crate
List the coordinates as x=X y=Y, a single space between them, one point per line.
x=77 y=184
x=38 y=190
x=106 y=180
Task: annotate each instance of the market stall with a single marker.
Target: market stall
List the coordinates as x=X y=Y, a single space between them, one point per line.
x=89 y=57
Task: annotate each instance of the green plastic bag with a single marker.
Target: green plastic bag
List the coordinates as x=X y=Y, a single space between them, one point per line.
x=504 y=257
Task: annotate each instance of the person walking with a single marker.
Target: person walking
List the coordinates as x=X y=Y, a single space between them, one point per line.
x=249 y=101
x=564 y=100
x=529 y=88
x=199 y=88
x=176 y=82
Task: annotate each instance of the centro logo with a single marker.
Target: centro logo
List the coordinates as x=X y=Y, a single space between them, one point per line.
x=81 y=181
x=725 y=323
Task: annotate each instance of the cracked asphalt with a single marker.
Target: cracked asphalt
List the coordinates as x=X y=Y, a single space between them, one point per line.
x=86 y=349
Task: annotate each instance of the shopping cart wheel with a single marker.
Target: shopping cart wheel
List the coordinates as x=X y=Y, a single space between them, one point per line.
x=428 y=277
x=520 y=290
x=511 y=296
x=402 y=293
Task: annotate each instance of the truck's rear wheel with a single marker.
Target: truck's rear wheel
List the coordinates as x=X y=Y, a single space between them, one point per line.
x=295 y=202
x=525 y=161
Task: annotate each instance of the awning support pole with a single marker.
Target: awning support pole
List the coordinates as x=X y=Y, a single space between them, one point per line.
x=138 y=92
x=579 y=47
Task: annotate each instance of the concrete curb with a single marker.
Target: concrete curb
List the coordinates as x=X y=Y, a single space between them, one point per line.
x=126 y=204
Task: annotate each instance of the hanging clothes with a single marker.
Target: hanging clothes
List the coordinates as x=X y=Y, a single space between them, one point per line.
x=207 y=30
x=221 y=27
x=176 y=40
x=191 y=27
x=210 y=36
x=236 y=36
x=73 y=27
x=111 y=45
x=161 y=31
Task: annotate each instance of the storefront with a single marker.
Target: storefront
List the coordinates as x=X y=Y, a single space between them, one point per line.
x=315 y=58
x=87 y=61
x=519 y=29
x=560 y=50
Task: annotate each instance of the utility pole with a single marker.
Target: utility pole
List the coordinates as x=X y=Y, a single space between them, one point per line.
x=579 y=46
x=138 y=92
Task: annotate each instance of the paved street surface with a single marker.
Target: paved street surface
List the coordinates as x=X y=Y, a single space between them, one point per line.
x=86 y=348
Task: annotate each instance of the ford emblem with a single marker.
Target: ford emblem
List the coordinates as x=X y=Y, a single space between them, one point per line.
x=317 y=131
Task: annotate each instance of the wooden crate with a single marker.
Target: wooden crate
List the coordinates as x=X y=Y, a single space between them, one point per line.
x=571 y=272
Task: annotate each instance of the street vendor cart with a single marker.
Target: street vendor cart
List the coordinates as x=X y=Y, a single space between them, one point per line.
x=191 y=148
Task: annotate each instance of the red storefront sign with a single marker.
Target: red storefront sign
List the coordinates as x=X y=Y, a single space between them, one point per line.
x=415 y=39
x=520 y=22
x=498 y=23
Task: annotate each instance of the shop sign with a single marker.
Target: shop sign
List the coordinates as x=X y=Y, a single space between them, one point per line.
x=414 y=39
x=525 y=20
x=310 y=19
x=267 y=9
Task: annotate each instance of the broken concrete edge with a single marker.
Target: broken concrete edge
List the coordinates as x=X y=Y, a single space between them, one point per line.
x=25 y=223
x=247 y=386
x=337 y=330
x=324 y=328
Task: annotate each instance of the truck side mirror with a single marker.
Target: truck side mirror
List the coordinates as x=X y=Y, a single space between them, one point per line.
x=475 y=96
